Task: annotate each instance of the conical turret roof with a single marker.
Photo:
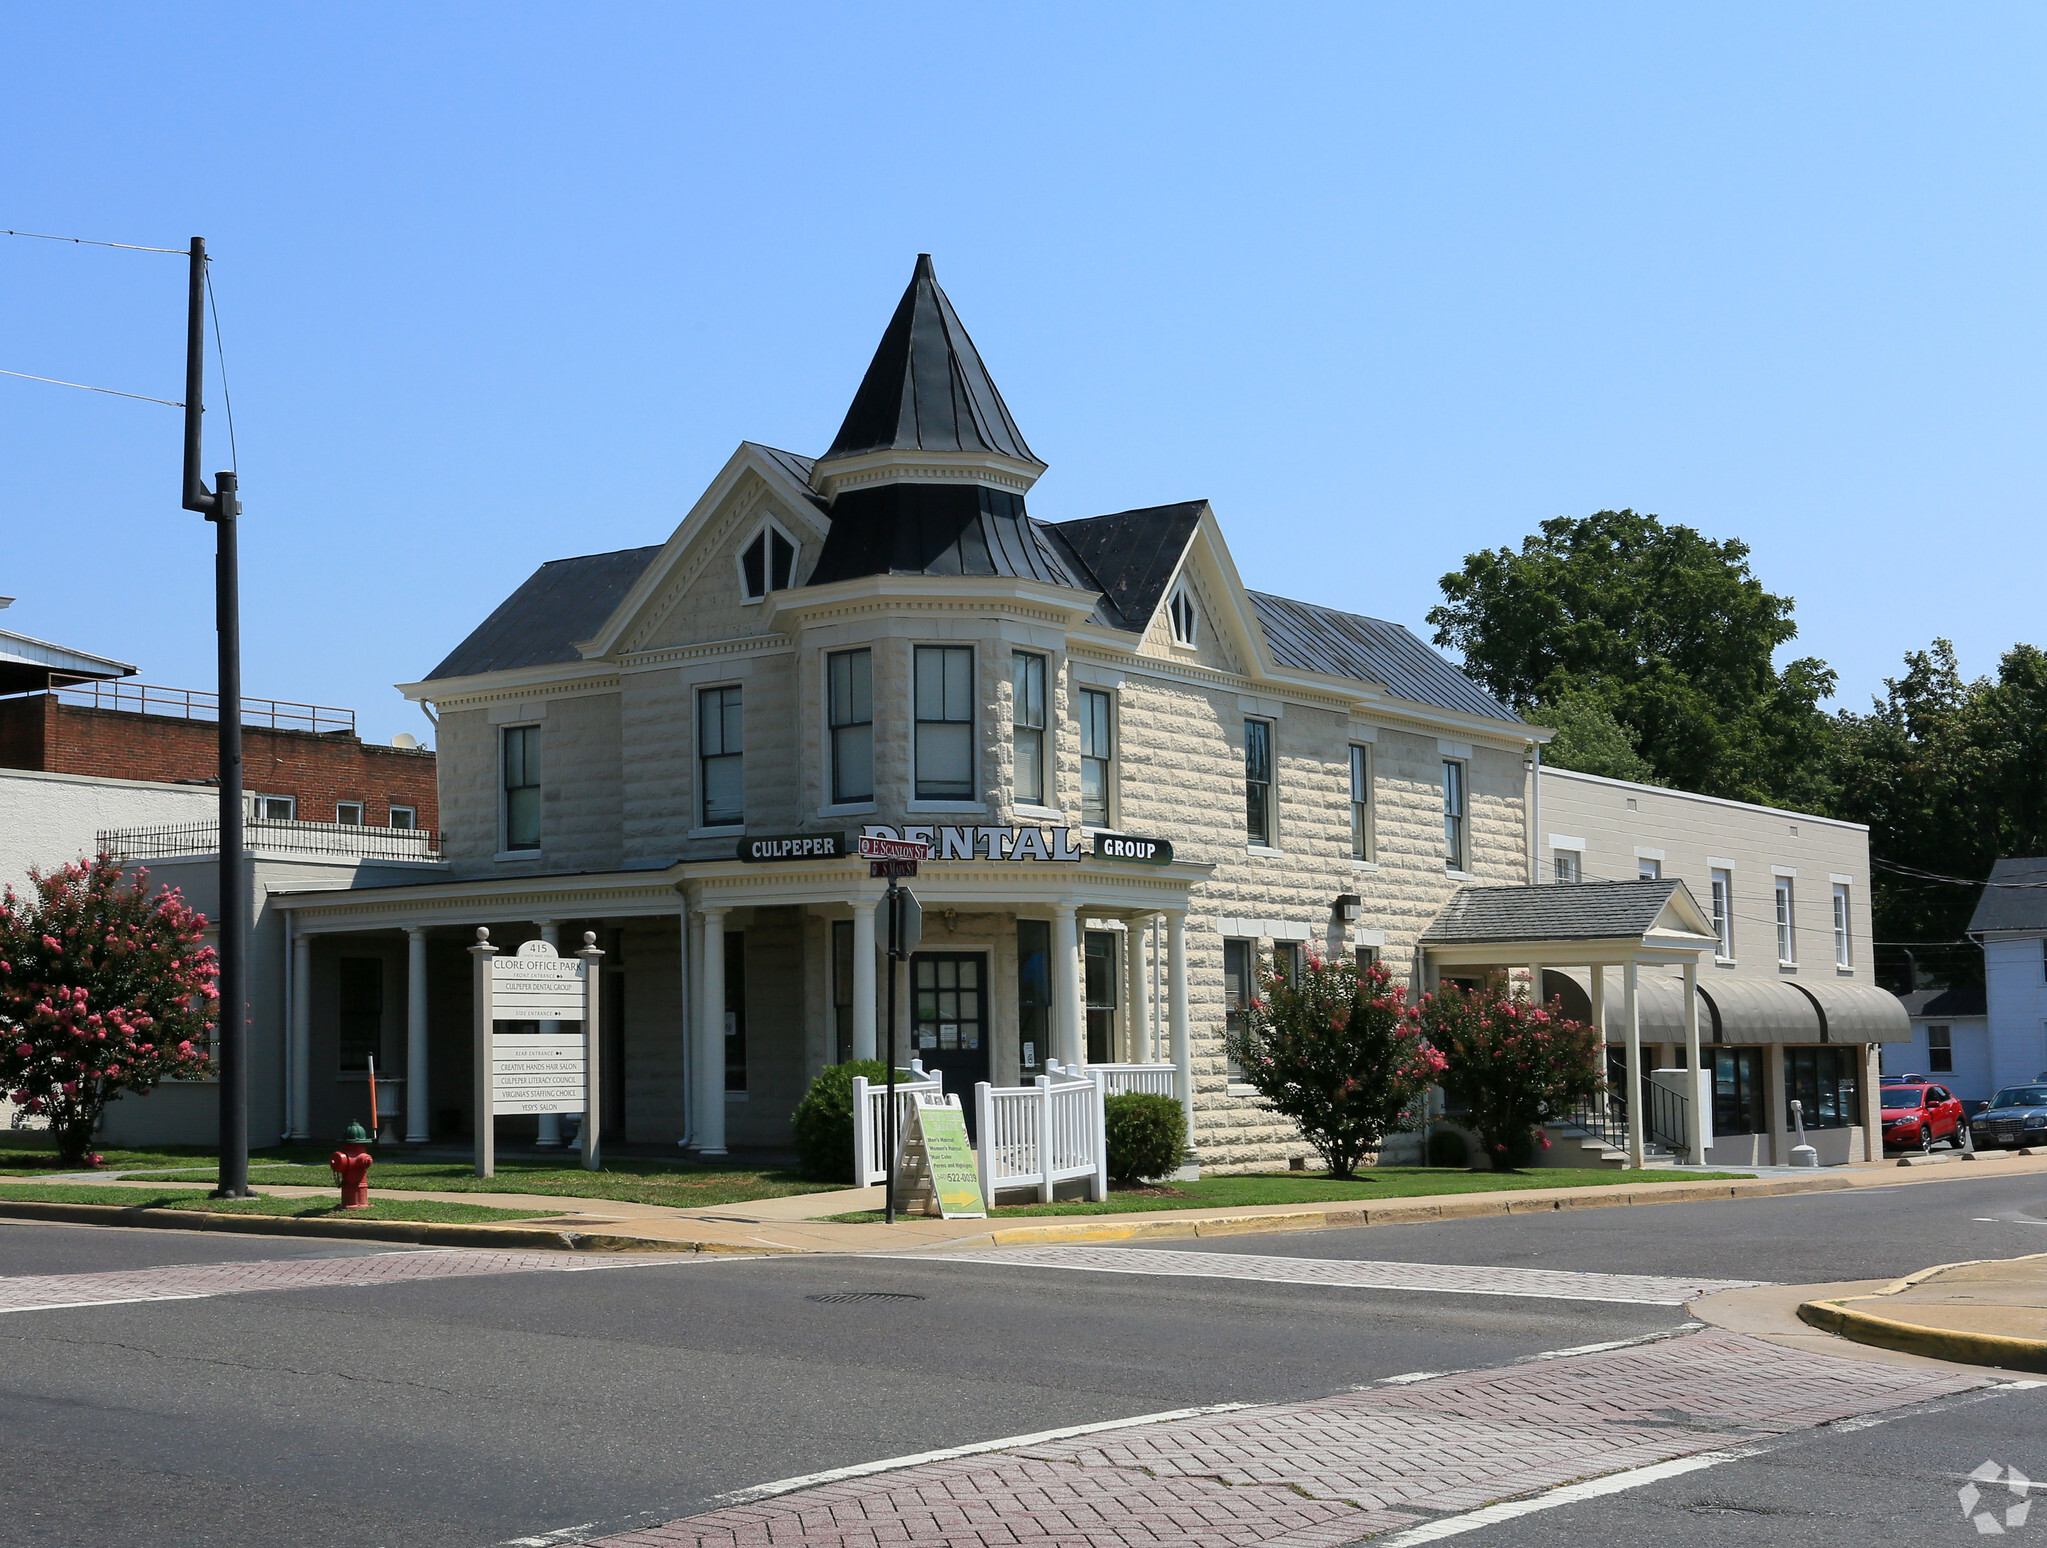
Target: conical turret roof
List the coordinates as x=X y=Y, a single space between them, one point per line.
x=926 y=389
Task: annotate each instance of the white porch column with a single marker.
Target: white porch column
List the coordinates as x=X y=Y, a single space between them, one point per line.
x=1702 y=1083
x=550 y=1123
x=711 y=1037
x=301 y=1125
x=1067 y=1036
x=1137 y=1018
x=1176 y=1001
x=1632 y=1011
x=418 y=1125
x=863 y=980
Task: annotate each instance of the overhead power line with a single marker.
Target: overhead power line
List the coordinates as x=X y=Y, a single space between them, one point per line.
x=87 y=387
x=92 y=242
x=1953 y=881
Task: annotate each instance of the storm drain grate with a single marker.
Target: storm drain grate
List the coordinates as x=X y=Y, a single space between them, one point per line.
x=838 y=1297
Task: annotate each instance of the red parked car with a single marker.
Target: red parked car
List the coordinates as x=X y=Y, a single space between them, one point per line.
x=1917 y=1116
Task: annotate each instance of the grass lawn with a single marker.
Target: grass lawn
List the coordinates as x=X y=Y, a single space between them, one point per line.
x=625 y=1181
x=1374 y=1183
x=28 y=1151
x=298 y=1209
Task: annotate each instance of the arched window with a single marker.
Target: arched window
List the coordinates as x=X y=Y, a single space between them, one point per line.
x=768 y=563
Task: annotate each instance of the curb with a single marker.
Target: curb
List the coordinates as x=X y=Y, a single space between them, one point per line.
x=1998 y=1350
x=416 y=1233
x=1418 y=1211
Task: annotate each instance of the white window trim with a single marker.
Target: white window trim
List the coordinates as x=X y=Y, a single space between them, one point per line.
x=1650 y=854
x=362 y=813
x=1566 y=841
x=1183 y=591
x=1786 y=929
x=696 y=748
x=765 y=524
x=395 y=808
x=1712 y=875
x=1114 y=760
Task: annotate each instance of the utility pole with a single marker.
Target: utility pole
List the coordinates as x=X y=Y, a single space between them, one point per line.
x=220 y=506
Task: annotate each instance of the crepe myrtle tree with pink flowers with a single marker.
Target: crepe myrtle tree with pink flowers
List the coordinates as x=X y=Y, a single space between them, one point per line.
x=1512 y=1066
x=104 y=988
x=1339 y=1051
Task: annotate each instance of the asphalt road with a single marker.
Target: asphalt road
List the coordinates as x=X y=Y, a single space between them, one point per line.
x=464 y=1412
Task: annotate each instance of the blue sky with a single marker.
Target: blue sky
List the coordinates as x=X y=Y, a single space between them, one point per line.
x=501 y=284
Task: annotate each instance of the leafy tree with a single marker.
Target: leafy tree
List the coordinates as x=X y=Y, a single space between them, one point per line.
x=1338 y=1052
x=1949 y=774
x=1589 y=739
x=104 y=988
x=1514 y=1066
x=1665 y=630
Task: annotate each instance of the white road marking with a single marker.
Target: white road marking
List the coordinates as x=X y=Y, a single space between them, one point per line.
x=1569 y=1494
x=891 y=1464
x=1343 y=1273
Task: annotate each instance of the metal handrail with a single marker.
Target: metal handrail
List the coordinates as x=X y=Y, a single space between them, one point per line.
x=1605 y=1117
x=272 y=836
x=204 y=704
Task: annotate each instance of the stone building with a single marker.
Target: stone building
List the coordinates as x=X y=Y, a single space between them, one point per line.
x=883 y=640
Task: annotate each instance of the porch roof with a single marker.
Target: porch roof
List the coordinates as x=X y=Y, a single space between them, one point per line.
x=1575 y=923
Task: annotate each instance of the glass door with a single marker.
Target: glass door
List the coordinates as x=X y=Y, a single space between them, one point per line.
x=949 y=1019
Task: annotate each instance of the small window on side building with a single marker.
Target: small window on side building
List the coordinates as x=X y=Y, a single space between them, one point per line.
x=1647 y=869
x=348 y=813
x=1566 y=864
x=1454 y=845
x=1940 y=1050
x=1723 y=914
x=404 y=816
x=1843 y=949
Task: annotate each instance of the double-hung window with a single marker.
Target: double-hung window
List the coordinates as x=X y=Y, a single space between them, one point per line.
x=1258 y=781
x=1723 y=914
x=1027 y=722
x=945 y=723
x=1648 y=868
x=1360 y=801
x=721 y=758
x=1565 y=865
x=1097 y=757
x=849 y=688
x=1239 y=964
x=522 y=787
x=1453 y=815
x=1787 y=923
x=1843 y=954
x=1940 y=1050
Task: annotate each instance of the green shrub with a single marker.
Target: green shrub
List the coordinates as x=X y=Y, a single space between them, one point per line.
x=1510 y=1066
x=1147 y=1135
x=824 y=1119
x=1447 y=1148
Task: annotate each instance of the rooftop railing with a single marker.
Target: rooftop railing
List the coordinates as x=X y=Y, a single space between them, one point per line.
x=203 y=704
x=267 y=836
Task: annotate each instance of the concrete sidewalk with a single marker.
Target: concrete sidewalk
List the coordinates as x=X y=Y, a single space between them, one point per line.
x=1991 y=1312
x=788 y=1225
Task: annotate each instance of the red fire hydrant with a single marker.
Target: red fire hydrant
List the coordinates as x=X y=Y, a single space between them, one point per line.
x=351 y=1167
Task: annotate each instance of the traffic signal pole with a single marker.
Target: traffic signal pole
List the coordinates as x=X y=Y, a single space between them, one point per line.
x=221 y=506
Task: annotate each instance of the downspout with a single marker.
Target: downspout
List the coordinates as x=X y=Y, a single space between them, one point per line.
x=1535 y=816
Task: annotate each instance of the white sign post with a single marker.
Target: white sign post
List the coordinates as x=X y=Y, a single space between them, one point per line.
x=553 y=1070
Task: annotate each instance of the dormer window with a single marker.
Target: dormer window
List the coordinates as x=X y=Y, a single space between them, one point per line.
x=1181 y=611
x=768 y=563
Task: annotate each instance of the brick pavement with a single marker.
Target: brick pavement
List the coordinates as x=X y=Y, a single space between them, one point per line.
x=192 y=1281
x=1465 y=1279
x=1331 y=1471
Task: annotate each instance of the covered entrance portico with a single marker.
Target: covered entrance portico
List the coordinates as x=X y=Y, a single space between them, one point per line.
x=732 y=984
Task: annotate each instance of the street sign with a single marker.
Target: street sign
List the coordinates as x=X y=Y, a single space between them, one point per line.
x=872 y=848
x=883 y=870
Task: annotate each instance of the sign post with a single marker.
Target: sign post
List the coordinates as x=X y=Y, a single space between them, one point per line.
x=895 y=859
x=547 y=1069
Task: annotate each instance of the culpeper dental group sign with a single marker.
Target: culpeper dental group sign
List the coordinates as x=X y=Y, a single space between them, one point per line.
x=1024 y=845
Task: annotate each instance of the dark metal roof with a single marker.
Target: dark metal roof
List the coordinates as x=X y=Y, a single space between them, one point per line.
x=1935 y=1003
x=936 y=529
x=2013 y=906
x=1576 y=911
x=1131 y=556
x=926 y=389
x=1321 y=639
x=563 y=601
x=796 y=467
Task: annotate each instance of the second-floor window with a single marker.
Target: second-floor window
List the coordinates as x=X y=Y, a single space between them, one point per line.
x=1843 y=955
x=348 y=813
x=1258 y=781
x=522 y=787
x=849 y=686
x=1027 y=719
x=1565 y=864
x=1723 y=914
x=721 y=759
x=1787 y=924
x=404 y=816
x=1360 y=801
x=945 y=723
x=1453 y=815
x=1097 y=757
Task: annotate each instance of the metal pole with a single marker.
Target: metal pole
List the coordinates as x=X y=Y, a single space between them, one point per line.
x=895 y=951
x=234 y=900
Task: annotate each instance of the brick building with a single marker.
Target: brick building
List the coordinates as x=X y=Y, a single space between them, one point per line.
x=300 y=762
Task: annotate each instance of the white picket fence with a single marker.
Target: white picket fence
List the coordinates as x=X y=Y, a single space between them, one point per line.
x=1042 y=1134
x=870 y=1108
x=1153 y=1079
